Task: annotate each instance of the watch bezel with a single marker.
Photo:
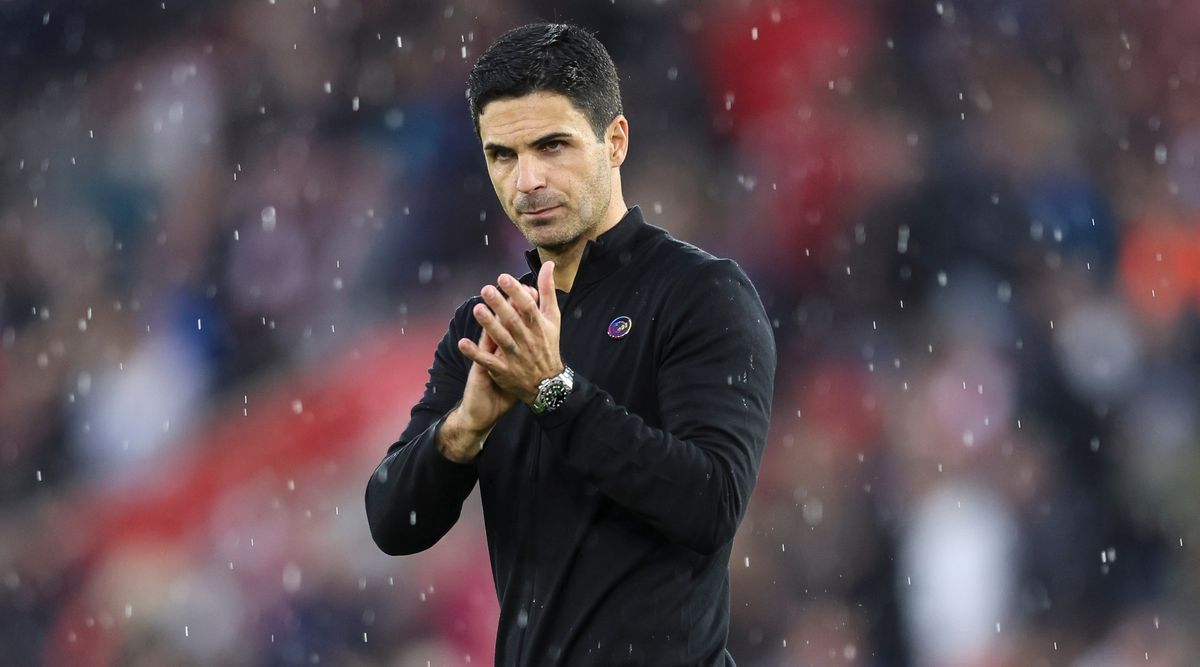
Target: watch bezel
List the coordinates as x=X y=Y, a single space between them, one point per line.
x=553 y=391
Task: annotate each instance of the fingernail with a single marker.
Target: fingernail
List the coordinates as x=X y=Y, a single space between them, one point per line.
x=504 y=280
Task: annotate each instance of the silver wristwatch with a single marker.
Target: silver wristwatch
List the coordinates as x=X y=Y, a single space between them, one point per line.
x=553 y=391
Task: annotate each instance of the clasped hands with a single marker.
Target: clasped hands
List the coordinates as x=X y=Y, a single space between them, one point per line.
x=517 y=349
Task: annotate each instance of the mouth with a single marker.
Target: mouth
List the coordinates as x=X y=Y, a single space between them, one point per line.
x=541 y=213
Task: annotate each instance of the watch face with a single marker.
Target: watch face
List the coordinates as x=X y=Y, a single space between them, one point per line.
x=553 y=392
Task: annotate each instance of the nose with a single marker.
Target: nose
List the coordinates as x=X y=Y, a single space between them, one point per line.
x=530 y=173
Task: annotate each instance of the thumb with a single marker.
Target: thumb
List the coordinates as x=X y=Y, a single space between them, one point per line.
x=548 y=301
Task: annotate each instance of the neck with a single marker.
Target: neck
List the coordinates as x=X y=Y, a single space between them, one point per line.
x=566 y=259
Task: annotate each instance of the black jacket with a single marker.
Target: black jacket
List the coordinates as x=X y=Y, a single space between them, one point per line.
x=609 y=520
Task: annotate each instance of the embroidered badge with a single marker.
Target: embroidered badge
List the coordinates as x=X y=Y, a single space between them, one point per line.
x=619 y=327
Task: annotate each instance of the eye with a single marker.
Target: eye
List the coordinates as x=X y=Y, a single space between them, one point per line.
x=502 y=154
x=553 y=146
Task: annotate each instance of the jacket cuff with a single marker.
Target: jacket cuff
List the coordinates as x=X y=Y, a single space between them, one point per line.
x=428 y=455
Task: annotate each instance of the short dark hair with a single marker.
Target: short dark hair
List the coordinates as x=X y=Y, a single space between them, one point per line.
x=551 y=57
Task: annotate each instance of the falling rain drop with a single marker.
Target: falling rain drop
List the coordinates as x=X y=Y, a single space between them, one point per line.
x=1160 y=154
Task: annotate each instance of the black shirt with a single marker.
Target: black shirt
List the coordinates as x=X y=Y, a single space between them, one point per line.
x=610 y=519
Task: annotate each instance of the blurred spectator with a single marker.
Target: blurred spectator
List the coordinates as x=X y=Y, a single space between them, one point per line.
x=226 y=230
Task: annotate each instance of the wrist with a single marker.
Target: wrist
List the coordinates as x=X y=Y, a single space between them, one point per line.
x=529 y=397
x=462 y=422
x=458 y=439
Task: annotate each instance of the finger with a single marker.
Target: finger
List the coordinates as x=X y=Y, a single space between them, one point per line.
x=521 y=301
x=531 y=290
x=507 y=317
x=486 y=343
x=548 y=301
x=494 y=329
x=490 y=362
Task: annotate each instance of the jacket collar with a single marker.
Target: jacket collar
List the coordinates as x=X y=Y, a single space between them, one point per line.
x=607 y=252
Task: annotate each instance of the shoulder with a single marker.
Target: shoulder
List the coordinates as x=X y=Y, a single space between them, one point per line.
x=689 y=269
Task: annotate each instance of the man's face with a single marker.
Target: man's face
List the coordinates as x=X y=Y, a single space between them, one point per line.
x=551 y=173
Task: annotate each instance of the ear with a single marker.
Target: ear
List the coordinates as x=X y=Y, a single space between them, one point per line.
x=616 y=140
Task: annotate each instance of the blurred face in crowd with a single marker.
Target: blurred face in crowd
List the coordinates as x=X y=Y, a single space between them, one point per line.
x=553 y=176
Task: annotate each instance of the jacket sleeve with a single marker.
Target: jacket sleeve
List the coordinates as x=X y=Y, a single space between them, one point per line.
x=415 y=494
x=692 y=478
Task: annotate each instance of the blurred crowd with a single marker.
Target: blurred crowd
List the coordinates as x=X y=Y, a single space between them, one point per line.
x=231 y=232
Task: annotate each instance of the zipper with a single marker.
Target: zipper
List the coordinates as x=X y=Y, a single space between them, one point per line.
x=535 y=465
x=531 y=549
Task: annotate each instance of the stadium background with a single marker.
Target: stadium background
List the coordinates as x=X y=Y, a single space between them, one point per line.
x=231 y=232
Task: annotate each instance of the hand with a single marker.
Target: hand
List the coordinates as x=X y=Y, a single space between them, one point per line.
x=466 y=428
x=525 y=333
x=483 y=403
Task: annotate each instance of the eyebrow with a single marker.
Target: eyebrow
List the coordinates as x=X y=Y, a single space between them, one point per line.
x=492 y=146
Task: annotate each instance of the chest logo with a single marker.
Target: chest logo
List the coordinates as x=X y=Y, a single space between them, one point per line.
x=620 y=327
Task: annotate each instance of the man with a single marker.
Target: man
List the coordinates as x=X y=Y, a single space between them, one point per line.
x=614 y=416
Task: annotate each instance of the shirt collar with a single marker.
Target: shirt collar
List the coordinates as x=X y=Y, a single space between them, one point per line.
x=605 y=253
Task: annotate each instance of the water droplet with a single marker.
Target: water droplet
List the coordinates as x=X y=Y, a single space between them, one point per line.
x=292 y=577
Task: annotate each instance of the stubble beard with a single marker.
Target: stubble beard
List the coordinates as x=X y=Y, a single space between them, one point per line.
x=581 y=223
x=576 y=223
